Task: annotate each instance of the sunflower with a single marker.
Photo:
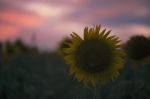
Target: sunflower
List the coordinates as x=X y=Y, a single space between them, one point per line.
x=138 y=50
x=97 y=58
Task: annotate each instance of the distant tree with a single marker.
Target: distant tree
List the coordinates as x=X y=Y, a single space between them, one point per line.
x=20 y=46
x=1 y=55
x=9 y=48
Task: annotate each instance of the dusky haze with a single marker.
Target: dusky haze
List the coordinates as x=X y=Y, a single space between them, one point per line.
x=51 y=20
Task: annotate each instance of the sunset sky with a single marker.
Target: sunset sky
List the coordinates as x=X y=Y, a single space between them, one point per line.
x=51 y=20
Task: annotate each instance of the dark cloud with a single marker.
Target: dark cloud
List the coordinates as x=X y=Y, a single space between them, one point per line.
x=129 y=20
x=101 y=11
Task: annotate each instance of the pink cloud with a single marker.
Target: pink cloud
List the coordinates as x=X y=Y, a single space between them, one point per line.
x=47 y=10
x=64 y=2
x=15 y=22
x=52 y=20
x=21 y=19
x=7 y=32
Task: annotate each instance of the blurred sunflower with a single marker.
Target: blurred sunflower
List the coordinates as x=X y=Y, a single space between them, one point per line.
x=63 y=44
x=138 y=50
x=97 y=58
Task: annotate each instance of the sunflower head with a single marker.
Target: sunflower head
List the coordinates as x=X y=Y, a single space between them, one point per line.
x=138 y=49
x=96 y=58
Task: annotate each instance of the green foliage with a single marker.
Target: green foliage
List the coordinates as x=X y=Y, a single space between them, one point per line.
x=40 y=75
x=130 y=89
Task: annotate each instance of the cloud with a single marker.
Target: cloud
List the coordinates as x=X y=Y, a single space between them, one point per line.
x=15 y=21
x=61 y=2
x=8 y=32
x=46 y=10
x=128 y=30
x=101 y=11
x=52 y=20
x=20 y=19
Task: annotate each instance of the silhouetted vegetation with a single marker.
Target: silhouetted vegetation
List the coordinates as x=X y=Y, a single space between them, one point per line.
x=27 y=73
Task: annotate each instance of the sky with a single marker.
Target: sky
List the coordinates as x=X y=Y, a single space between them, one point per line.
x=46 y=22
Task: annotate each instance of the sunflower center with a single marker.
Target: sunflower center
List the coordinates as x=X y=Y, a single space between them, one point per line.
x=93 y=55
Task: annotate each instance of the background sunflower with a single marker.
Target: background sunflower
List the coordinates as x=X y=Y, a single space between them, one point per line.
x=138 y=50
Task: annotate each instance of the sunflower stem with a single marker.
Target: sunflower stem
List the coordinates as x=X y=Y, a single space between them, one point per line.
x=135 y=75
x=95 y=92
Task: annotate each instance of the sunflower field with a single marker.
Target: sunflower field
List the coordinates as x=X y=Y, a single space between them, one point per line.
x=96 y=66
